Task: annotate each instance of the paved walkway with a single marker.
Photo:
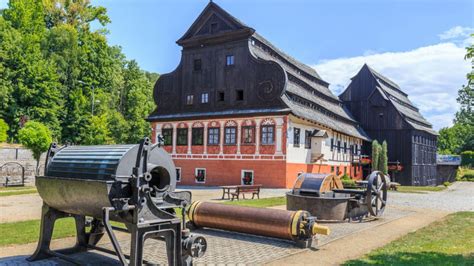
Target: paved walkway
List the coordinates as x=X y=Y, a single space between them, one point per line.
x=28 y=207
x=457 y=197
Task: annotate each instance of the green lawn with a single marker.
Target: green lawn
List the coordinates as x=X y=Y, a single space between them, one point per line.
x=10 y=191
x=446 y=242
x=261 y=203
x=28 y=231
x=415 y=189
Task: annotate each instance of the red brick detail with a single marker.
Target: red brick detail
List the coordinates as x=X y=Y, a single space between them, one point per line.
x=267 y=149
x=197 y=124
x=197 y=149
x=182 y=125
x=181 y=149
x=230 y=149
x=228 y=172
x=247 y=157
x=214 y=149
x=278 y=157
x=247 y=149
x=168 y=148
x=214 y=124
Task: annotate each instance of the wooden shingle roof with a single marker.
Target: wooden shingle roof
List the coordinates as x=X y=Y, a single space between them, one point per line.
x=393 y=93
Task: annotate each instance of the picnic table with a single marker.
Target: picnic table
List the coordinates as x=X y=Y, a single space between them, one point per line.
x=240 y=190
x=226 y=191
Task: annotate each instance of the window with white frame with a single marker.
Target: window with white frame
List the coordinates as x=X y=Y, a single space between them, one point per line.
x=230 y=135
x=205 y=97
x=178 y=174
x=200 y=175
x=213 y=136
x=247 y=177
x=268 y=134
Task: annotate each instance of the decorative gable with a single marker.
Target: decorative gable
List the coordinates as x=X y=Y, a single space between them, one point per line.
x=214 y=22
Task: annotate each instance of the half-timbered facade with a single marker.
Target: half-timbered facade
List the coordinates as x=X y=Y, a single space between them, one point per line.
x=386 y=113
x=237 y=110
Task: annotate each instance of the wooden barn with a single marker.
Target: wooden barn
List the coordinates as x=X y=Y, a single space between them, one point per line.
x=385 y=113
x=237 y=110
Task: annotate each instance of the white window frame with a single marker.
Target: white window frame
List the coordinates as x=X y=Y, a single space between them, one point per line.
x=180 y=174
x=196 y=173
x=242 y=172
x=205 y=97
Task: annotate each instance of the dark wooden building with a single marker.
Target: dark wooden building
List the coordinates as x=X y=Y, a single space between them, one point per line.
x=238 y=108
x=385 y=113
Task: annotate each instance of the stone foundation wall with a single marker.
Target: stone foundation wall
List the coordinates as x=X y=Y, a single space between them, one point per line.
x=12 y=171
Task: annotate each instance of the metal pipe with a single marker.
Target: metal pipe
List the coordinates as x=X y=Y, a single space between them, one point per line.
x=276 y=223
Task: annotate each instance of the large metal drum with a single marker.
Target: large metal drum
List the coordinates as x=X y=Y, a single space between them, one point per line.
x=83 y=180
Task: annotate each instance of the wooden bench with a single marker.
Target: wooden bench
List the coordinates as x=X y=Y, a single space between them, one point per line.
x=246 y=189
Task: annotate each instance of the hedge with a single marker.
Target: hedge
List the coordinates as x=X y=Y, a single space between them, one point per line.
x=467 y=158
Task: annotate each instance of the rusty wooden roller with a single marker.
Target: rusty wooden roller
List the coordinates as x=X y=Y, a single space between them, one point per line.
x=298 y=226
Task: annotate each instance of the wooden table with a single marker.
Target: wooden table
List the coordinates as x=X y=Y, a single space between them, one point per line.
x=226 y=191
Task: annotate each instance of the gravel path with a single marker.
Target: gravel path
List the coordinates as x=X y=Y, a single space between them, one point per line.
x=457 y=197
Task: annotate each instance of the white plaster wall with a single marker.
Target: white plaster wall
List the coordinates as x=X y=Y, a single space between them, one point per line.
x=302 y=155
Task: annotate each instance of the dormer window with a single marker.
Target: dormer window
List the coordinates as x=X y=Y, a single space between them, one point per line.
x=197 y=64
x=229 y=60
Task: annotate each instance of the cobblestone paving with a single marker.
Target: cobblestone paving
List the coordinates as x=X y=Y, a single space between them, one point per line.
x=225 y=247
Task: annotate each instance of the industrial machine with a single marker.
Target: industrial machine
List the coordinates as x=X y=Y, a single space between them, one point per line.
x=324 y=196
x=129 y=184
x=296 y=226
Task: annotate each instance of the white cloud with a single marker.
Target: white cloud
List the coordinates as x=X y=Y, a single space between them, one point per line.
x=430 y=75
x=456 y=33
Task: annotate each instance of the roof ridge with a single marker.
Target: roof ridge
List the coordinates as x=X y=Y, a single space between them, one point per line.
x=285 y=55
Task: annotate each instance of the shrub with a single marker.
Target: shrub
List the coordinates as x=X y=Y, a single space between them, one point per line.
x=347 y=181
x=467 y=158
x=3 y=130
x=446 y=184
x=36 y=137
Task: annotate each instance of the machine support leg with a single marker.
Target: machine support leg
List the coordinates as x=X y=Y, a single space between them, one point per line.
x=113 y=239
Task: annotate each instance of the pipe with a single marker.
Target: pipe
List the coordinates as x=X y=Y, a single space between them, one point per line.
x=290 y=225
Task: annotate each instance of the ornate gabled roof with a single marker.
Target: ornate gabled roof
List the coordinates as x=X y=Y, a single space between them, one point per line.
x=393 y=93
x=201 y=29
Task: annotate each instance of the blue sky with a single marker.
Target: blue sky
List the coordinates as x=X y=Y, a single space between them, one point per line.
x=419 y=44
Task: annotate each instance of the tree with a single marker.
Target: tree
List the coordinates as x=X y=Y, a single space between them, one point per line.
x=456 y=139
x=36 y=137
x=376 y=149
x=96 y=132
x=383 y=158
x=3 y=130
x=465 y=115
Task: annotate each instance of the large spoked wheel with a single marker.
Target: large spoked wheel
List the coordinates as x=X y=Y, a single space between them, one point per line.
x=376 y=196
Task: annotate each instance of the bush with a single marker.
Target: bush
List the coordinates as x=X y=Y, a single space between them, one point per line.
x=347 y=181
x=36 y=137
x=3 y=130
x=446 y=184
x=465 y=174
x=467 y=158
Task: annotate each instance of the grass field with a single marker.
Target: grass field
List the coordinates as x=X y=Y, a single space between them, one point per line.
x=415 y=189
x=446 y=242
x=10 y=191
x=28 y=231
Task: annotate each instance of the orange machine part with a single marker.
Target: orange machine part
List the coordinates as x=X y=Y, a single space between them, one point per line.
x=258 y=221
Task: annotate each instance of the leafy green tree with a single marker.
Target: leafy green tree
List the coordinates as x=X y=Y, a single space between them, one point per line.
x=3 y=130
x=96 y=131
x=54 y=68
x=376 y=149
x=456 y=139
x=383 y=158
x=36 y=137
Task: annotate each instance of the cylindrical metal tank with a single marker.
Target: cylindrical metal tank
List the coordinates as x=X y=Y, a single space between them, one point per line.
x=83 y=180
x=313 y=193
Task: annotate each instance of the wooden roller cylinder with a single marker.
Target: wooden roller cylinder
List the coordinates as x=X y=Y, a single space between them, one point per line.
x=291 y=225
